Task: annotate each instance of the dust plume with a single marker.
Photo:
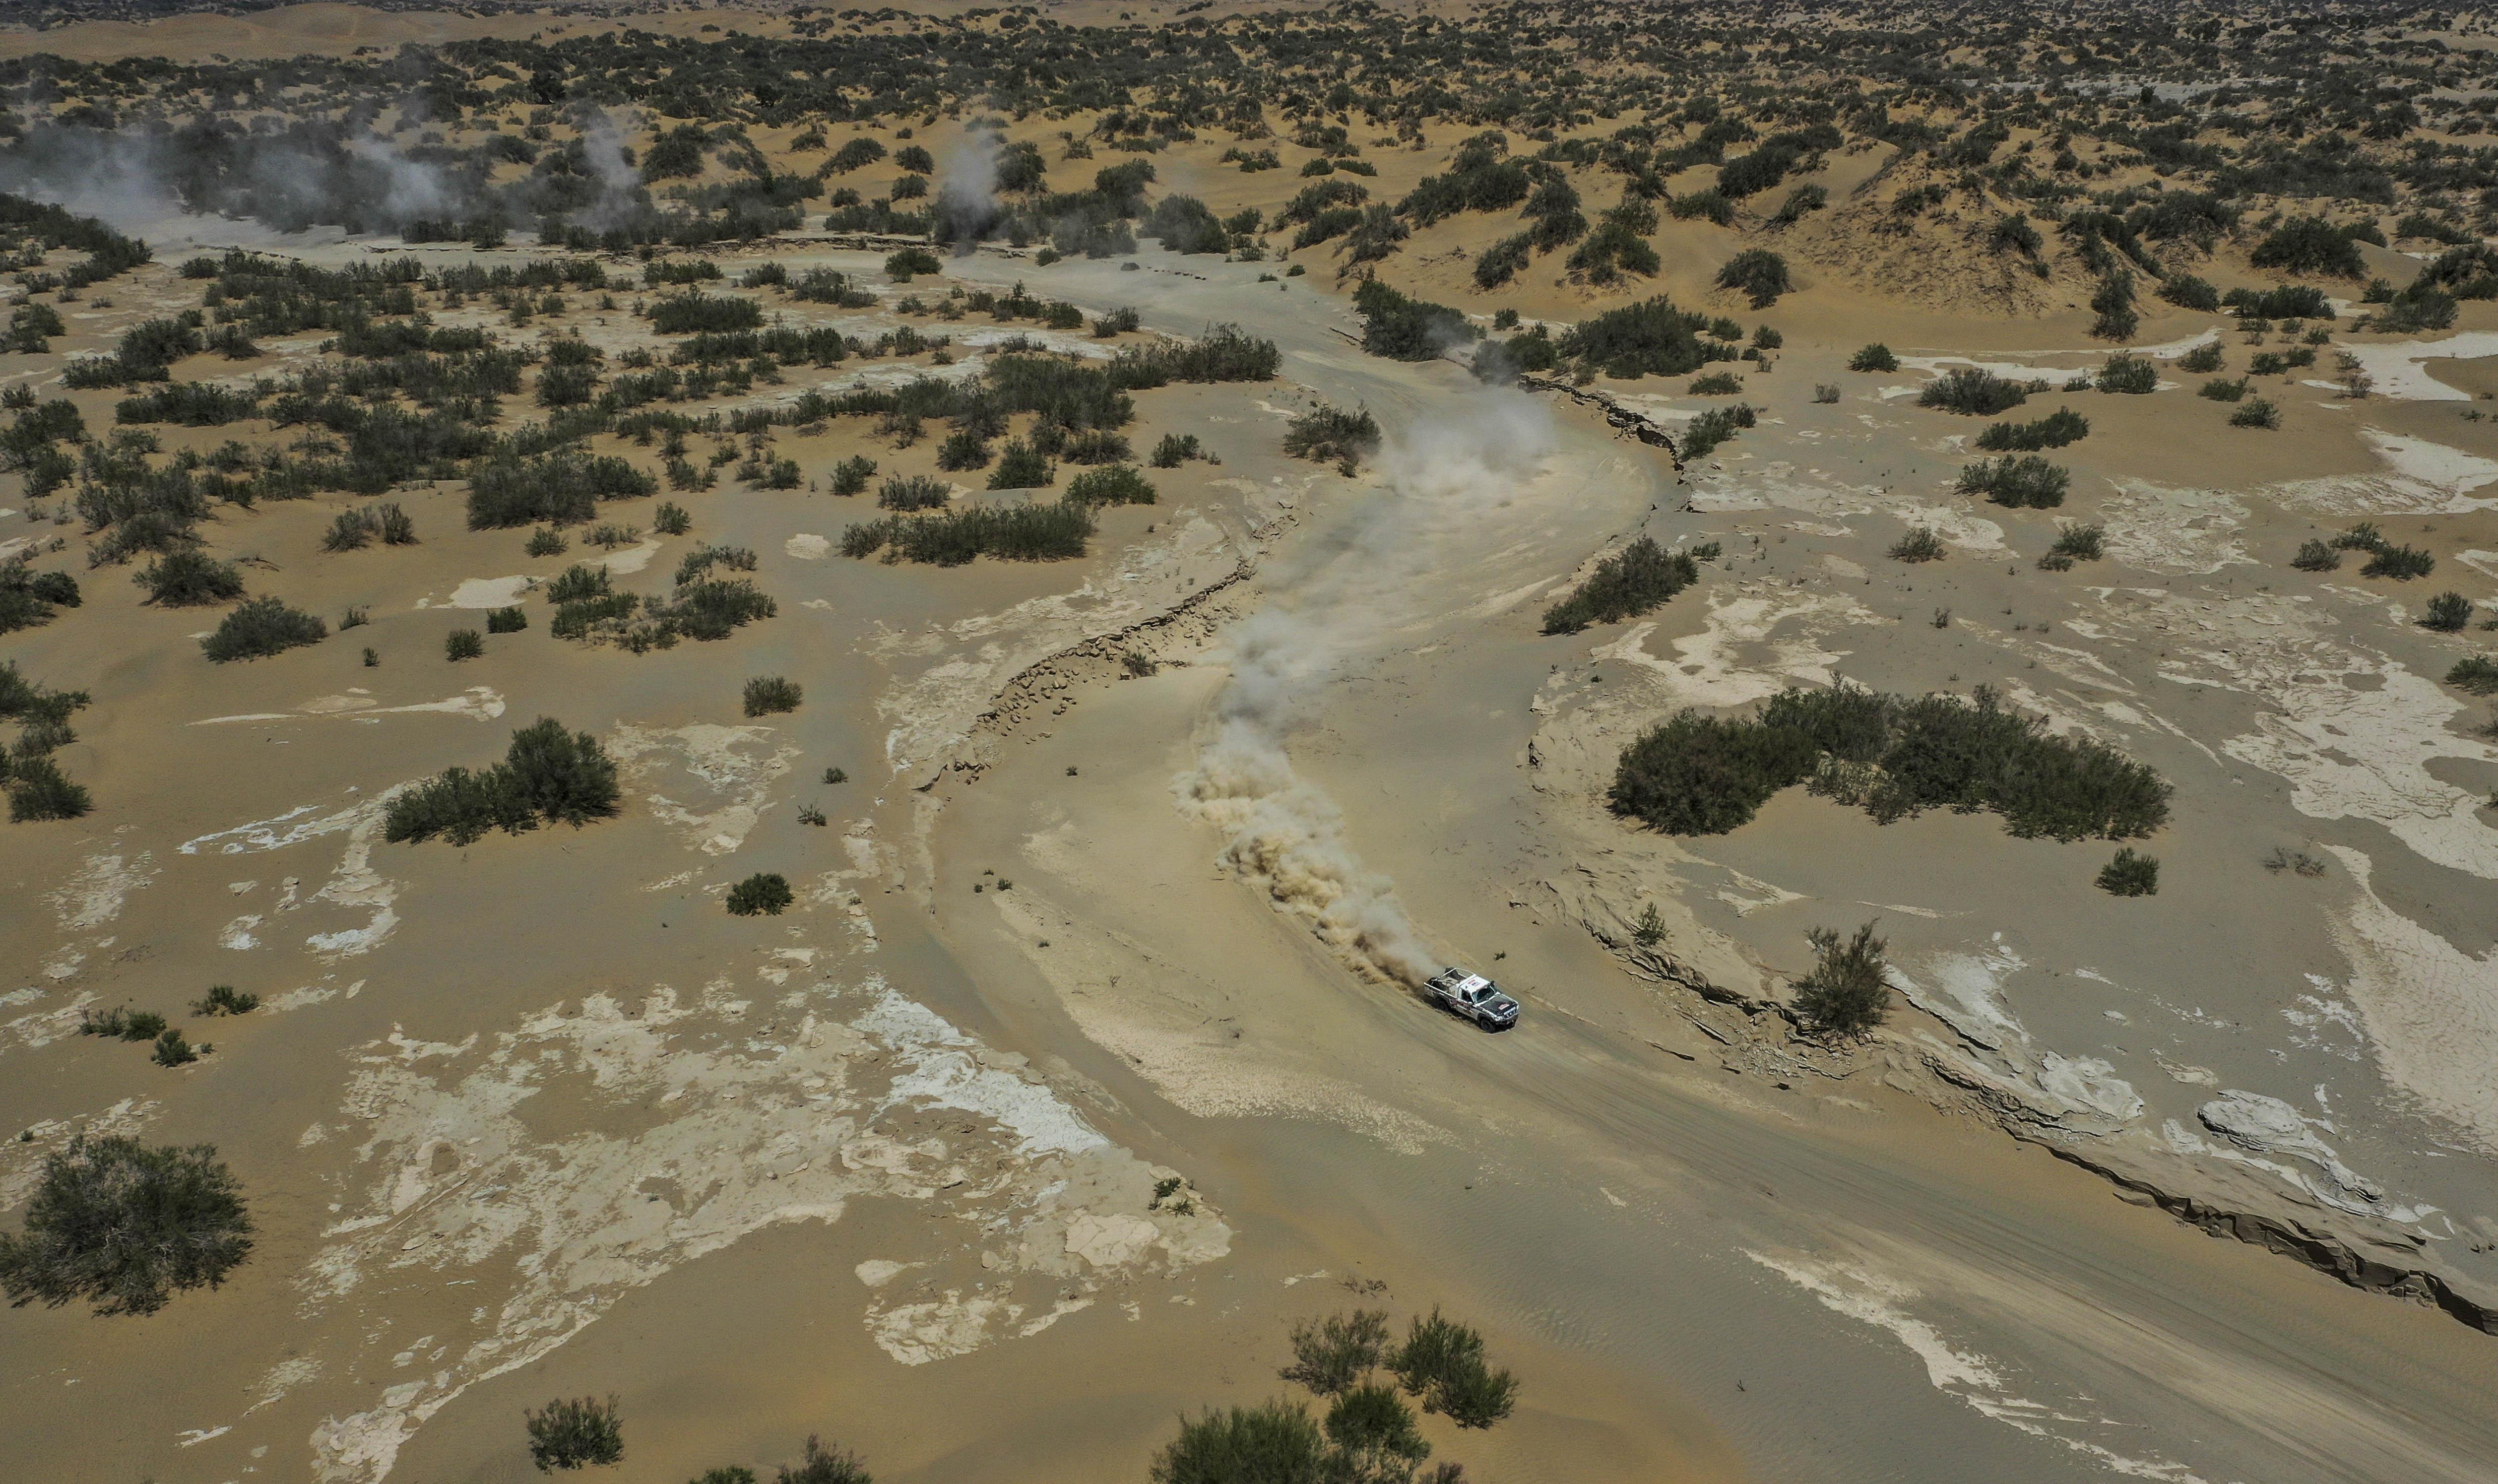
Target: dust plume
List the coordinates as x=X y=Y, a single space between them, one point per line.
x=967 y=192
x=1284 y=834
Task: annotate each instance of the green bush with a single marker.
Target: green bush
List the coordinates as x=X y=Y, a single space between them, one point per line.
x=1758 y=274
x=1332 y=1354
x=173 y=1051
x=1632 y=581
x=2026 y=482
x=1405 y=329
x=1034 y=532
x=2447 y=613
x=2188 y=292
x=545 y=543
x=1877 y=357
x=1972 y=392
x=2400 y=563
x=913 y=492
x=187 y=578
x=463 y=644
x=765 y=892
x=2202 y=360
x=260 y=627
x=1370 y=1422
x=910 y=262
x=2475 y=673
x=2081 y=543
x=1022 y=467
x=2316 y=556
x=1919 y=544
x=575 y=1434
x=1892 y=756
x=1716 y=384
x=126 y=1226
x=2054 y=431
x=577 y=582
x=821 y=1465
x=225 y=1000
x=1176 y=449
x=851 y=474
x=1274 y=1443
x=507 y=620
x=1120 y=484
x=1442 y=1362
x=1329 y=435
x=2219 y=389
x=1648 y=339
x=2129 y=874
x=766 y=694
x=671 y=519
x=2130 y=374
x=2310 y=245
x=39 y=791
x=547 y=775
x=1848 y=991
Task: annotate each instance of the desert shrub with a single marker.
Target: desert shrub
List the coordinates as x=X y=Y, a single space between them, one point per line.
x=2447 y=613
x=1824 y=392
x=1758 y=274
x=851 y=474
x=2266 y=363
x=186 y=578
x=1176 y=449
x=1096 y=445
x=903 y=266
x=2310 y=245
x=225 y=1000
x=1370 y=1422
x=561 y=488
x=1034 y=532
x=545 y=543
x=260 y=627
x=2080 y=544
x=691 y=312
x=577 y=582
x=1333 y=1353
x=1716 y=384
x=547 y=775
x=1120 y=484
x=39 y=791
x=463 y=644
x=819 y=1465
x=2220 y=389
x=173 y=1050
x=1703 y=434
x=1329 y=435
x=575 y=1434
x=1696 y=775
x=765 y=892
x=1920 y=544
x=913 y=492
x=121 y=1023
x=2054 y=431
x=2400 y=563
x=1846 y=992
x=2188 y=292
x=29 y=598
x=1630 y=582
x=1442 y=1362
x=1648 y=339
x=963 y=449
x=1406 y=329
x=768 y=694
x=1891 y=756
x=1501 y=261
x=2202 y=359
x=2025 y=482
x=2256 y=412
x=124 y=1226
x=507 y=621
x=2290 y=301
x=1972 y=392
x=1022 y=467
x=2130 y=873
x=1274 y=1440
x=1877 y=357
x=2316 y=556
x=2477 y=675
x=2129 y=373
x=671 y=519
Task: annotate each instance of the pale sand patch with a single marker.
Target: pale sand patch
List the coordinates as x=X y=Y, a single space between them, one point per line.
x=807 y=547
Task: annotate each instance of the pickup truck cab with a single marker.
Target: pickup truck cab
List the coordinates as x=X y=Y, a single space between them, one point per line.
x=1474 y=997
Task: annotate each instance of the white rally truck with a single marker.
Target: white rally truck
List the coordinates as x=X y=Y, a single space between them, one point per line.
x=1474 y=997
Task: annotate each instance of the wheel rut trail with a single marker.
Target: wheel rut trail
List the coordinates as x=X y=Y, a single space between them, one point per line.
x=2079 y=1334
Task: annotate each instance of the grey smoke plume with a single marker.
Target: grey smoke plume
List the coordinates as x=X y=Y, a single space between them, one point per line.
x=967 y=191
x=1283 y=834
